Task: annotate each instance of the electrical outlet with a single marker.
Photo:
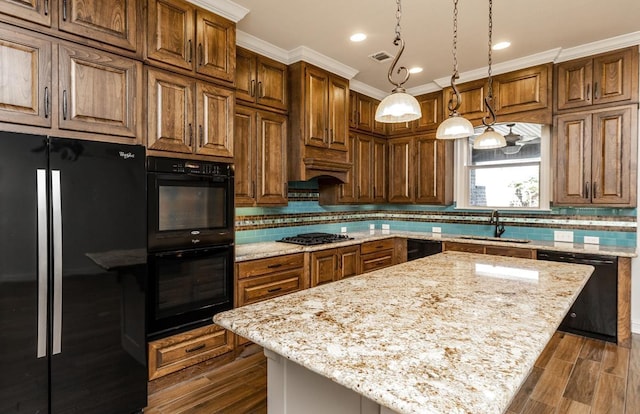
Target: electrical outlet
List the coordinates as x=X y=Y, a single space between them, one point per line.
x=591 y=240
x=343 y=229
x=385 y=227
x=372 y=226
x=563 y=236
x=436 y=229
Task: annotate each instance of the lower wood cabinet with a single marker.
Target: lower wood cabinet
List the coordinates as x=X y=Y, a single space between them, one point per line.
x=377 y=254
x=180 y=351
x=334 y=264
x=263 y=279
x=489 y=249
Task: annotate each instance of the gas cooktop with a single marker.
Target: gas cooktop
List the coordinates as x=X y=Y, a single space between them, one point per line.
x=310 y=239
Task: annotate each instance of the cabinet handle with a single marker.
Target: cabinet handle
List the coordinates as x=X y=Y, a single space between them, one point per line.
x=573 y=314
x=200 y=55
x=189 y=51
x=588 y=91
x=64 y=10
x=274 y=289
x=253 y=189
x=252 y=89
x=260 y=90
x=64 y=105
x=358 y=117
x=358 y=191
x=596 y=92
x=374 y=191
x=595 y=187
x=195 y=348
x=274 y=266
x=586 y=189
x=190 y=135
x=286 y=189
x=331 y=134
x=46 y=102
x=46 y=7
x=201 y=132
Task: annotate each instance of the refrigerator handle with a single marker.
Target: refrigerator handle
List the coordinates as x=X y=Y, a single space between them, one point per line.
x=56 y=205
x=43 y=259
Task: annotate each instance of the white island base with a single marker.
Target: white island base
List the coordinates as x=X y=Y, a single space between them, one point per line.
x=294 y=389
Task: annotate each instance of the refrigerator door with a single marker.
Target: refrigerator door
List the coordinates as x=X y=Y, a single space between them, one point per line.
x=98 y=197
x=23 y=274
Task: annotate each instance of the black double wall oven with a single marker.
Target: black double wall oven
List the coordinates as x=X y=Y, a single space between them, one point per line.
x=190 y=242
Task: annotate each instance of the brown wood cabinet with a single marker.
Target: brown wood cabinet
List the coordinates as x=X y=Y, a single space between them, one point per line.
x=319 y=123
x=263 y=279
x=177 y=352
x=489 y=249
x=334 y=264
x=472 y=96
x=114 y=23
x=595 y=161
x=188 y=116
x=422 y=170
x=261 y=80
x=362 y=115
x=378 y=254
x=186 y=37
x=431 y=107
x=525 y=91
x=602 y=79
x=261 y=166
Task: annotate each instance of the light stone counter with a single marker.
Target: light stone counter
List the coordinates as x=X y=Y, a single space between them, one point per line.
x=450 y=333
x=252 y=251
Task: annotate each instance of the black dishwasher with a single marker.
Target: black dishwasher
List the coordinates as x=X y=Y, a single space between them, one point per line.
x=595 y=311
x=417 y=248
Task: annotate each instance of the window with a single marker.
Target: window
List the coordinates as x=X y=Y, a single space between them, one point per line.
x=512 y=177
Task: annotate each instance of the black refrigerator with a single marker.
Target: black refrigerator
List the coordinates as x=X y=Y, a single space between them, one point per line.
x=72 y=276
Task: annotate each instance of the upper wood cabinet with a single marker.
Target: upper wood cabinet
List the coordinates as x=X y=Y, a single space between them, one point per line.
x=362 y=114
x=261 y=80
x=319 y=123
x=36 y=11
x=595 y=157
x=472 y=96
x=187 y=116
x=601 y=79
x=189 y=38
x=525 y=90
x=401 y=163
x=431 y=108
x=260 y=167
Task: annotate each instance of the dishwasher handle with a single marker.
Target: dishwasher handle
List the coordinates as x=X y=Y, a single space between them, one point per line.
x=579 y=259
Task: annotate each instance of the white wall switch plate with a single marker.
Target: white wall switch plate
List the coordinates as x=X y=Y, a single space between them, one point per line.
x=385 y=227
x=563 y=236
x=591 y=240
x=436 y=229
x=343 y=229
x=372 y=226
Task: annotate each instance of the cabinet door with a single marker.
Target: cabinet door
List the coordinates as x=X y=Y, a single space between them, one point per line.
x=365 y=113
x=36 y=11
x=245 y=75
x=379 y=170
x=353 y=109
x=401 y=128
x=114 y=22
x=378 y=127
x=472 y=96
x=338 y=114
x=324 y=267
x=572 y=152
x=612 y=75
x=245 y=165
x=347 y=192
x=99 y=92
x=271 y=159
x=272 y=83
x=215 y=107
x=25 y=93
x=364 y=161
x=401 y=152
x=574 y=83
x=216 y=53
x=349 y=261
x=463 y=247
x=170 y=31
x=431 y=107
x=613 y=148
x=170 y=112
x=434 y=171
x=522 y=90
x=316 y=107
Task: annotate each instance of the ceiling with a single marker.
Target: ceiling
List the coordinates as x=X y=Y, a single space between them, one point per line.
x=539 y=31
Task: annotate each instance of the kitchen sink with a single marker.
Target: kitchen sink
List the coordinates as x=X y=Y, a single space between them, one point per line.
x=495 y=239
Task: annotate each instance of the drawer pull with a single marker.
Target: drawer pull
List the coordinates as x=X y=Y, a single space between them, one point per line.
x=275 y=265
x=573 y=314
x=274 y=289
x=195 y=348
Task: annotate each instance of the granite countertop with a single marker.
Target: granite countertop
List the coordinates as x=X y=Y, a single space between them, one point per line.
x=252 y=251
x=450 y=333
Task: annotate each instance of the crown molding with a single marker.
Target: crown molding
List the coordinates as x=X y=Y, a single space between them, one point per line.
x=601 y=46
x=224 y=8
x=422 y=89
x=261 y=47
x=363 y=88
x=309 y=55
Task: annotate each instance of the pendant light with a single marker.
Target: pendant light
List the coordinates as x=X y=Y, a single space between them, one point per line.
x=399 y=106
x=489 y=139
x=456 y=126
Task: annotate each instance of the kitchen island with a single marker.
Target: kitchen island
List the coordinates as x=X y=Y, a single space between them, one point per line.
x=451 y=333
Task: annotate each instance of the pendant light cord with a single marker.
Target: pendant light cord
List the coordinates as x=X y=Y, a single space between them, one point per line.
x=489 y=97
x=398 y=41
x=453 y=109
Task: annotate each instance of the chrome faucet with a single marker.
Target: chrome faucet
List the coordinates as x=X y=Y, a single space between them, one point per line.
x=495 y=219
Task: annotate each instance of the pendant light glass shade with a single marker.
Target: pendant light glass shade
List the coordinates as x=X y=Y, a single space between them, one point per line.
x=489 y=139
x=454 y=127
x=398 y=107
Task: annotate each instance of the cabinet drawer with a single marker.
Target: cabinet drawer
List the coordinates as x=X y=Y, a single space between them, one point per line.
x=510 y=252
x=376 y=246
x=270 y=286
x=266 y=266
x=463 y=247
x=176 y=352
x=377 y=260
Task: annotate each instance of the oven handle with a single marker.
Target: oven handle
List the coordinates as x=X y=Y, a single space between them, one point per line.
x=204 y=251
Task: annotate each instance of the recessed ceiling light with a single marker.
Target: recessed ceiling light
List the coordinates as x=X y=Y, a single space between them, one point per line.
x=358 y=37
x=501 y=45
x=415 y=70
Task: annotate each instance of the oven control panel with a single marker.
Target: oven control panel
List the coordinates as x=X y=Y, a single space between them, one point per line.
x=180 y=166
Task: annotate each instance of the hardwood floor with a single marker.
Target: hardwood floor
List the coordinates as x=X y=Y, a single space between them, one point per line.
x=573 y=375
